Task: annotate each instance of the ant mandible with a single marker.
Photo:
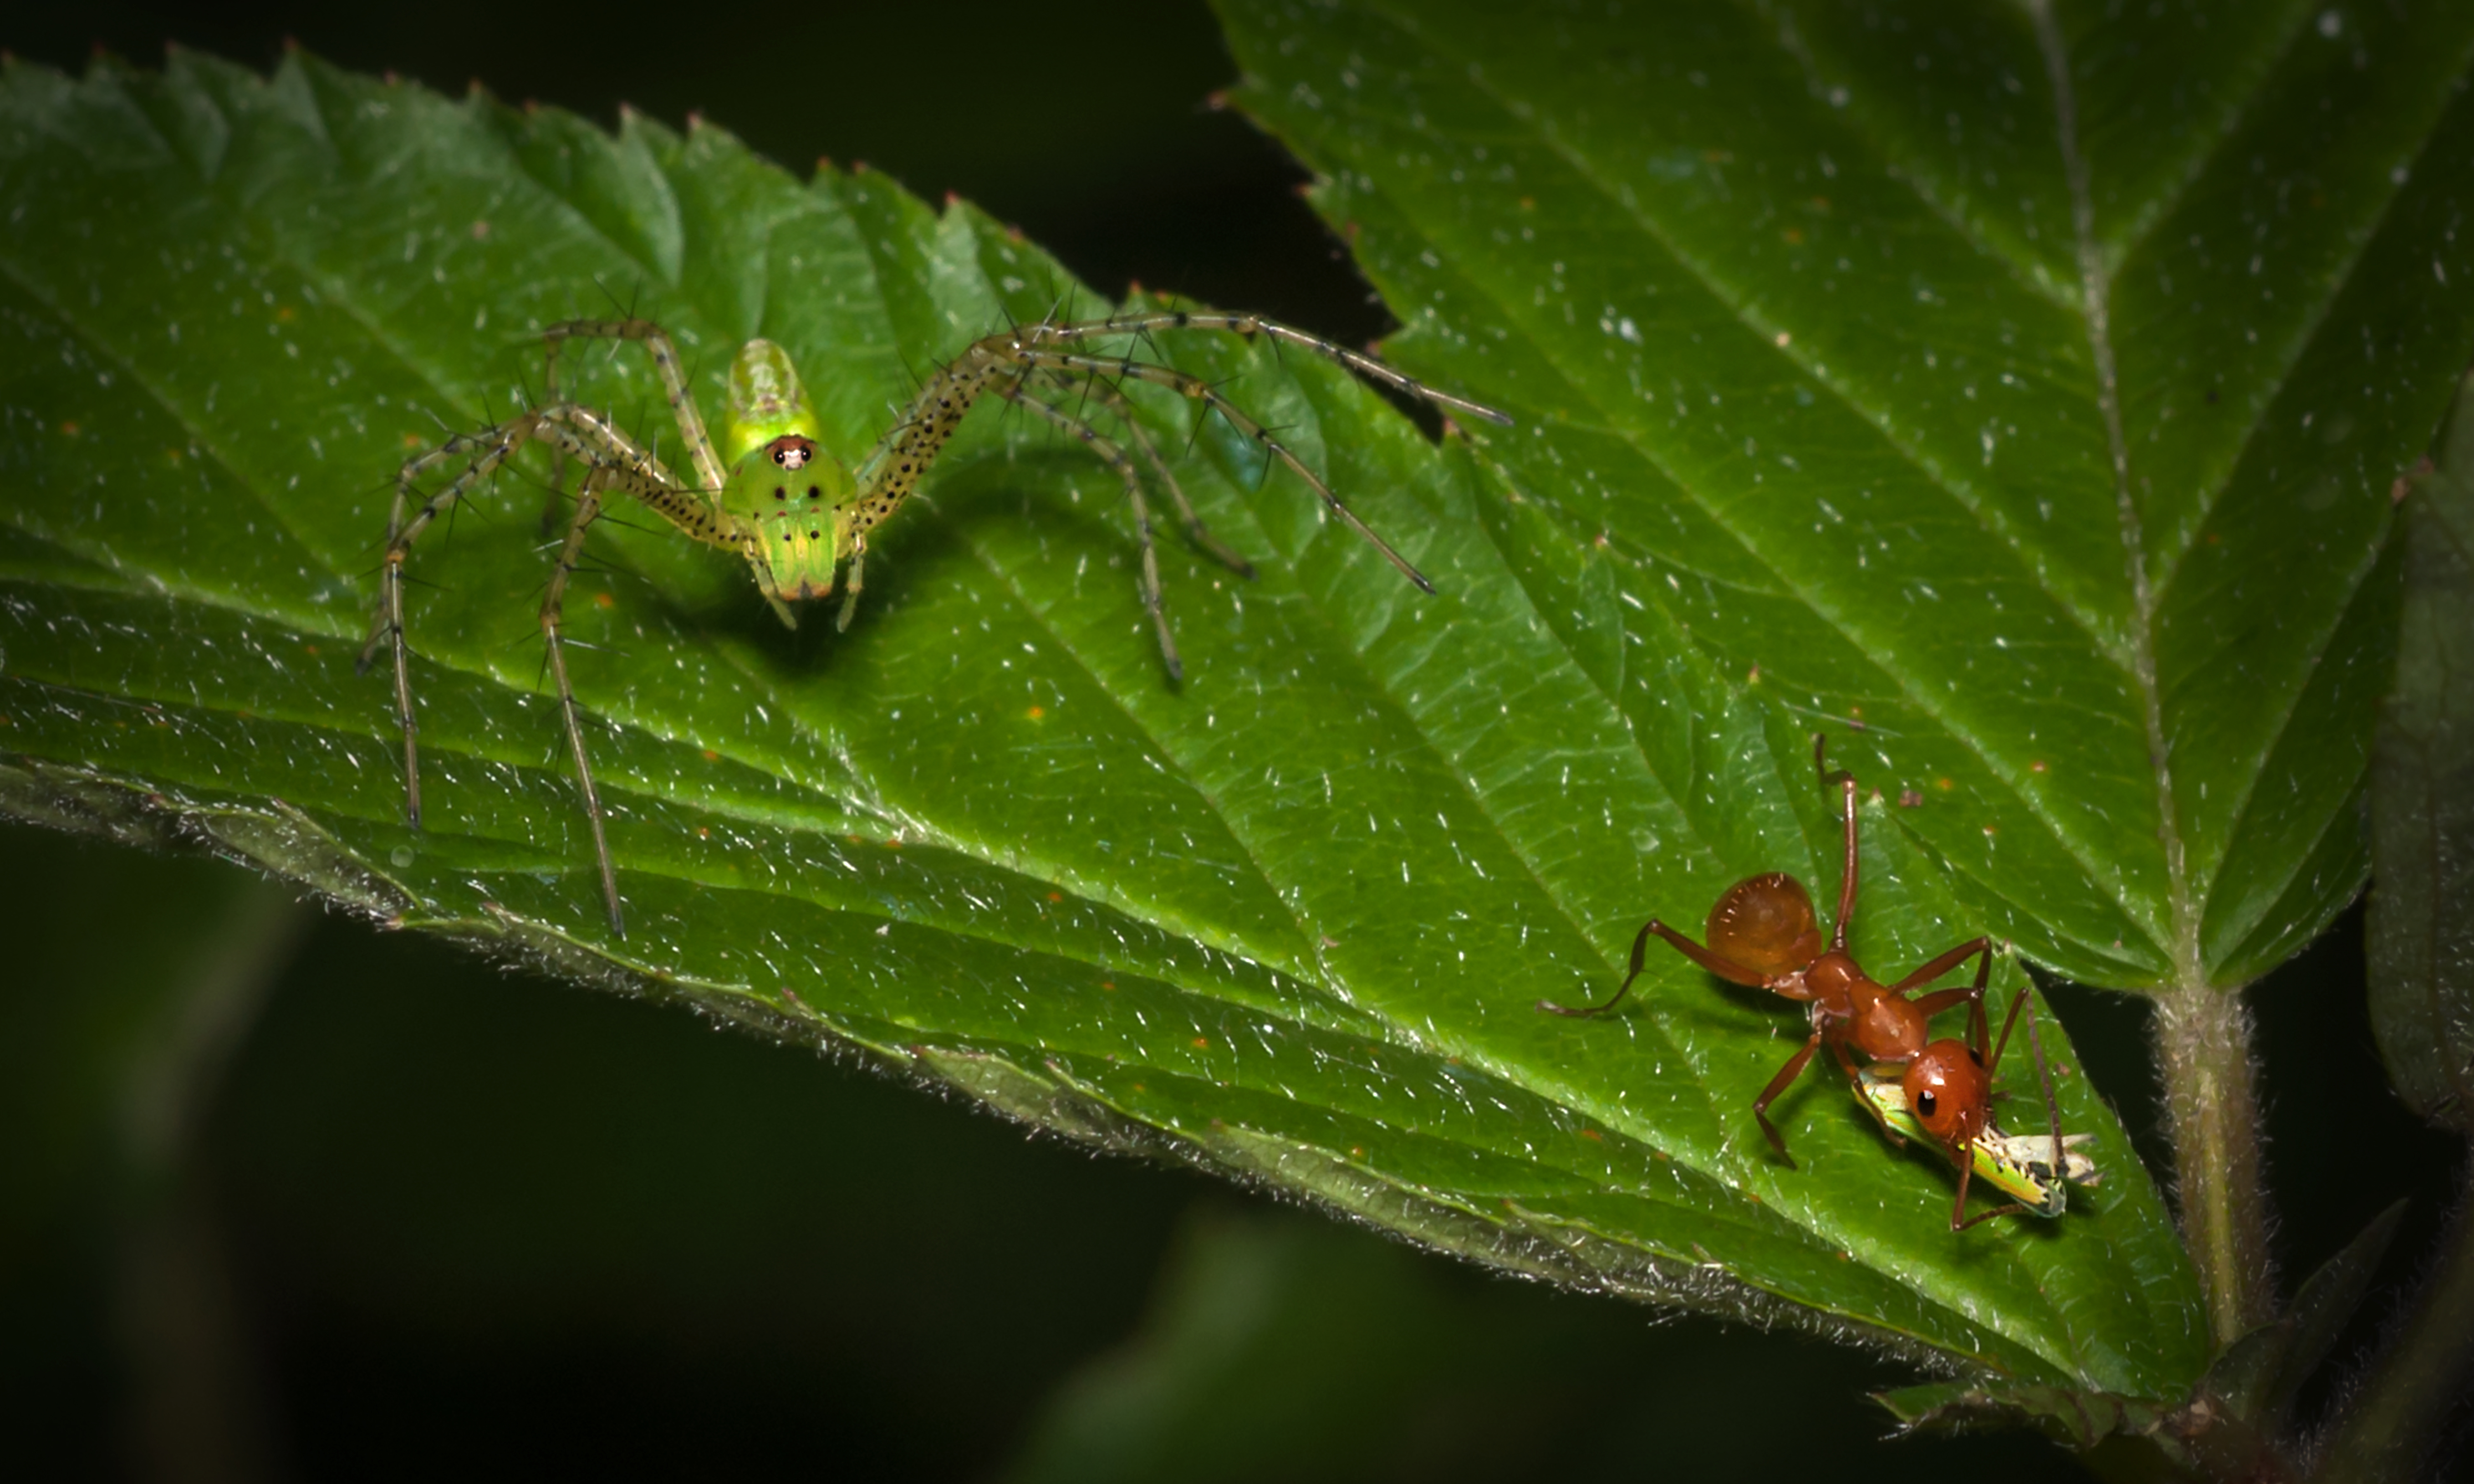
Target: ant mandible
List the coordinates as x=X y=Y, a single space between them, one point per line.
x=1762 y=934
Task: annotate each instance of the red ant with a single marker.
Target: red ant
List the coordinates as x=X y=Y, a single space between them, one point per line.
x=1762 y=935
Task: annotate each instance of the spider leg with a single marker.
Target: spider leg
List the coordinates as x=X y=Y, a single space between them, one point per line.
x=1204 y=392
x=614 y=462
x=1115 y=458
x=1786 y=1078
x=666 y=364
x=1250 y=325
x=1109 y=398
x=588 y=509
x=851 y=584
x=487 y=449
x=1943 y=965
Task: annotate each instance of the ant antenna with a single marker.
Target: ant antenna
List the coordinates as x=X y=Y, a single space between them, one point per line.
x=1845 y=783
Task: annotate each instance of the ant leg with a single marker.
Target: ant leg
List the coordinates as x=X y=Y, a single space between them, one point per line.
x=1940 y=1000
x=1115 y=458
x=1724 y=969
x=1786 y=1075
x=588 y=509
x=1959 y=1220
x=1856 y=1081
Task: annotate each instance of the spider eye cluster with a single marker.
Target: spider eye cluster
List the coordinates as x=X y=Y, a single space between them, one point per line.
x=791 y=452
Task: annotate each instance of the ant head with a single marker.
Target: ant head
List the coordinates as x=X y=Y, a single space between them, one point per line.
x=1766 y=923
x=1947 y=1091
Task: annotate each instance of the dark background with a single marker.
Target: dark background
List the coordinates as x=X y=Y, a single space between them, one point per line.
x=365 y=1206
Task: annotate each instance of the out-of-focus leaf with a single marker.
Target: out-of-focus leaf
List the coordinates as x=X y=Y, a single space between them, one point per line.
x=2421 y=923
x=2258 y=1375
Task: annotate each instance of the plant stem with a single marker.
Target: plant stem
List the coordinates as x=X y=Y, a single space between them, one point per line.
x=2418 y=1380
x=2204 y=1052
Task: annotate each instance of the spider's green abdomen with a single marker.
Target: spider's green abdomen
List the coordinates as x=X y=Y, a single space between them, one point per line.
x=786 y=490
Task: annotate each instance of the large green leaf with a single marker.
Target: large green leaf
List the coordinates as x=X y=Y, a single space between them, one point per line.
x=2027 y=380
x=1288 y=920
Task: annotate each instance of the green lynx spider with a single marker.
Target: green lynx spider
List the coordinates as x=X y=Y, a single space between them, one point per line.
x=773 y=494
